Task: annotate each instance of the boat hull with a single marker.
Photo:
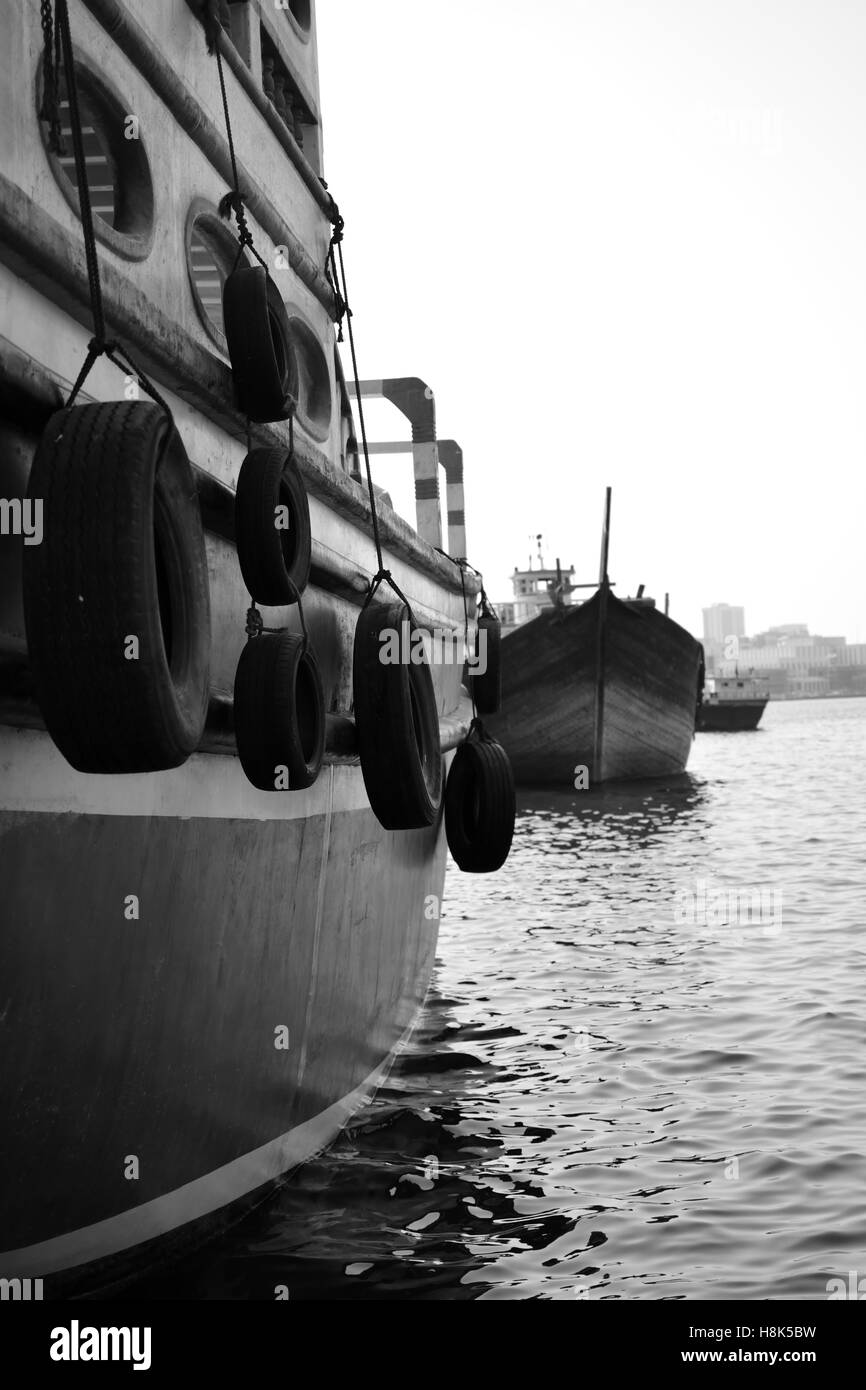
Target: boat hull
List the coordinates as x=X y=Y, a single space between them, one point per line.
x=200 y=980
x=730 y=716
x=605 y=685
x=205 y=989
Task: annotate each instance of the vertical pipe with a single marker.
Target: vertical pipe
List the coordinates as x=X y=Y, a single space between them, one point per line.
x=415 y=399
x=451 y=458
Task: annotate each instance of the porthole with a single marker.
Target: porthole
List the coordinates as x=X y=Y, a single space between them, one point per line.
x=118 y=172
x=300 y=13
x=211 y=253
x=314 y=380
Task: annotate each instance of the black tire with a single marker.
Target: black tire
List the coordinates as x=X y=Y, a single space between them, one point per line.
x=487 y=687
x=397 y=725
x=480 y=806
x=256 y=324
x=275 y=563
x=279 y=712
x=122 y=556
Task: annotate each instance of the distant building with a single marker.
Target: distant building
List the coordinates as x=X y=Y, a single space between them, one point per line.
x=794 y=662
x=721 y=621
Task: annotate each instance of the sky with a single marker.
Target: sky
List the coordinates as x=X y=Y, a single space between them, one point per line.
x=624 y=241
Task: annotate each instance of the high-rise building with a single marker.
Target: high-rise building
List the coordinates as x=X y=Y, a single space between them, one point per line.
x=722 y=621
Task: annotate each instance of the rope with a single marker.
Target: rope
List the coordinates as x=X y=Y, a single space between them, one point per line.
x=255 y=624
x=51 y=63
x=99 y=345
x=331 y=269
x=486 y=610
x=231 y=202
x=62 y=16
x=469 y=680
x=382 y=574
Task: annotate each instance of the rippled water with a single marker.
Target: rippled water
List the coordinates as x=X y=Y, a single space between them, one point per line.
x=612 y=1092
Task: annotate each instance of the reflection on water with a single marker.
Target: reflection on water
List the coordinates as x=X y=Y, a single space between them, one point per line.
x=608 y=1097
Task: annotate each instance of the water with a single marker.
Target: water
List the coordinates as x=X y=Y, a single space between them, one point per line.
x=611 y=1094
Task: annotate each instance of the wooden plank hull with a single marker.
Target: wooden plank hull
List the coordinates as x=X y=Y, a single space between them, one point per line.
x=730 y=716
x=615 y=693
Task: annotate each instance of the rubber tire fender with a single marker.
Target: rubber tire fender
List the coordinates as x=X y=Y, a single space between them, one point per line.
x=487 y=687
x=259 y=340
x=279 y=711
x=397 y=724
x=480 y=806
x=122 y=556
x=275 y=563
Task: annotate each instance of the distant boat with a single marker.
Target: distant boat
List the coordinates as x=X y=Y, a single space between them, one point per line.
x=609 y=684
x=731 y=704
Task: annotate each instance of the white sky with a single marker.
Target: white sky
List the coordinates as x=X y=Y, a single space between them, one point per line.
x=625 y=242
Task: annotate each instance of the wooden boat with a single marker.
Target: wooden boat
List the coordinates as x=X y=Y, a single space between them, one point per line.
x=202 y=980
x=732 y=704
x=608 y=685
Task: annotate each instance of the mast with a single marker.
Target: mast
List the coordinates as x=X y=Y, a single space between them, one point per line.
x=601 y=647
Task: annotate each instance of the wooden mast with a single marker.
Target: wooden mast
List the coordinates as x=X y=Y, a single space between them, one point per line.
x=596 y=774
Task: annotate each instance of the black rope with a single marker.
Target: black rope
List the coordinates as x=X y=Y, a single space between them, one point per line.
x=233 y=200
x=469 y=680
x=331 y=268
x=486 y=610
x=62 y=20
x=460 y=561
x=477 y=730
x=51 y=65
x=99 y=345
x=255 y=625
x=382 y=574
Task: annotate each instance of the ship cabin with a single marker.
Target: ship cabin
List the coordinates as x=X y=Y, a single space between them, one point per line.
x=721 y=689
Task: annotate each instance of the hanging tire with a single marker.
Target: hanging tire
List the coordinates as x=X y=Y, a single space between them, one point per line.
x=487 y=686
x=259 y=341
x=116 y=601
x=279 y=712
x=274 y=561
x=480 y=806
x=397 y=724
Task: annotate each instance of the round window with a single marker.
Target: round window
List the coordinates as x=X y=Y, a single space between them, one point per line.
x=211 y=253
x=300 y=11
x=118 y=172
x=314 y=381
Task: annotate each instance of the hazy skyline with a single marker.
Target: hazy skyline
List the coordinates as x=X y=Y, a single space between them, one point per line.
x=624 y=244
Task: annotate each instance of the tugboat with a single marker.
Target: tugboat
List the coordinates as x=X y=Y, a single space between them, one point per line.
x=731 y=704
x=222 y=846
x=598 y=691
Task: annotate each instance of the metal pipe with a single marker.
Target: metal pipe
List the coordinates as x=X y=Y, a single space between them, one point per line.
x=414 y=399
